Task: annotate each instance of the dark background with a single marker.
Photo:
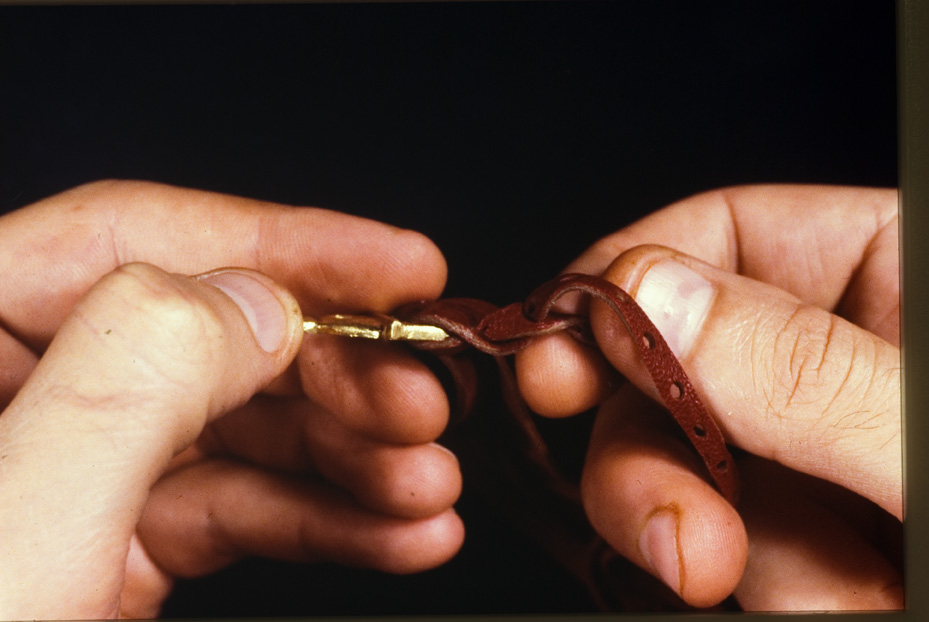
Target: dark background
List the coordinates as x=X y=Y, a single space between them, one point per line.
x=513 y=134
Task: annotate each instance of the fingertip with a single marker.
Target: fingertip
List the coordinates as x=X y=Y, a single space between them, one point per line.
x=418 y=409
x=408 y=482
x=391 y=268
x=427 y=544
x=559 y=377
x=676 y=298
x=419 y=255
x=402 y=546
x=381 y=392
x=714 y=549
x=642 y=495
x=272 y=312
x=682 y=532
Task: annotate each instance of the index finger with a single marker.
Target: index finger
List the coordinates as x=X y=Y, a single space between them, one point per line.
x=54 y=250
x=832 y=247
x=823 y=244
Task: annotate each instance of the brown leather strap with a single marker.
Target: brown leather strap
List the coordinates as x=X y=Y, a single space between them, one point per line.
x=504 y=331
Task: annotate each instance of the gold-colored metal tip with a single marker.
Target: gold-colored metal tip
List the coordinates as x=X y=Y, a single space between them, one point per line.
x=401 y=331
x=372 y=327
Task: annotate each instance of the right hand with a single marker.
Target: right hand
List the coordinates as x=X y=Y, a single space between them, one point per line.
x=782 y=304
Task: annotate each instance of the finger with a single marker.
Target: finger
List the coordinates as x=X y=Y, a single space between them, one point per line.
x=143 y=363
x=816 y=242
x=785 y=380
x=411 y=481
x=203 y=517
x=56 y=249
x=832 y=247
x=18 y=363
x=376 y=389
x=642 y=496
x=559 y=377
x=146 y=586
x=803 y=557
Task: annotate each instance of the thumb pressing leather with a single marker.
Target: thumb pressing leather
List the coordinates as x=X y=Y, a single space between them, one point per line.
x=785 y=380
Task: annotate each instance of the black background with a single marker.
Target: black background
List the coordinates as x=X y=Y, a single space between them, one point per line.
x=513 y=134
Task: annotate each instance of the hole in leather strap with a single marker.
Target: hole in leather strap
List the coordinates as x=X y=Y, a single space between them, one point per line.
x=648 y=340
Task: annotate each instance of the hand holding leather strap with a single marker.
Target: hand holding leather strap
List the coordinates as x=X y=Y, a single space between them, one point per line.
x=504 y=331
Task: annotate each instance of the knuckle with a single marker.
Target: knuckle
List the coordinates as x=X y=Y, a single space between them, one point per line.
x=814 y=371
x=99 y=186
x=105 y=187
x=97 y=197
x=149 y=305
x=144 y=341
x=803 y=364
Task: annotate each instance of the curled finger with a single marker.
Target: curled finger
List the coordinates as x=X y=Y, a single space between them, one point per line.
x=300 y=437
x=207 y=515
x=641 y=491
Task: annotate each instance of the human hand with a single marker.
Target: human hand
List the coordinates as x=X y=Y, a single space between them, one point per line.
x=159 y=426
x=782 y=303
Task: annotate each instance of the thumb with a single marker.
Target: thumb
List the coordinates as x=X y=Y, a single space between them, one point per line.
x=133 y=375
x=784 y=380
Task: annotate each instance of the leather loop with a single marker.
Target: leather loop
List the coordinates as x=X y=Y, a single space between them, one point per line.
x=504 y=331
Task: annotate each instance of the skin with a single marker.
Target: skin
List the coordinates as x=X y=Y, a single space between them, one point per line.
x=153 y=428
x=797 y=358
x=157 y=425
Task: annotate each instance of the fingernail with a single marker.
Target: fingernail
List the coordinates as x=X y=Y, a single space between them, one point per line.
x=260 y=305
x=658 y=545
x=677 y=300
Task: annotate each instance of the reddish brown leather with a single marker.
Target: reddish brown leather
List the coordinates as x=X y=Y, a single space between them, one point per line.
x=504 y=331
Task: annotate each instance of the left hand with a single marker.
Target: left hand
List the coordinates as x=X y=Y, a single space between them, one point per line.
x=153 y=425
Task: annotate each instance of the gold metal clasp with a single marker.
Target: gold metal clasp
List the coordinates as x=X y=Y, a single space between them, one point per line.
x=373 y=326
